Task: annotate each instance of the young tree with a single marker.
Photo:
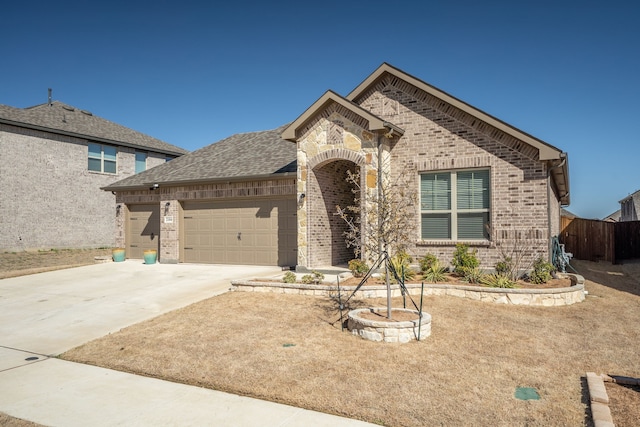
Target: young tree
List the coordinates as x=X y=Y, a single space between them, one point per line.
x=380 y=221
x=388 y=214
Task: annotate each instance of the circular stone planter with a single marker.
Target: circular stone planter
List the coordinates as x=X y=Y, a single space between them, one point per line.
x=382 y=330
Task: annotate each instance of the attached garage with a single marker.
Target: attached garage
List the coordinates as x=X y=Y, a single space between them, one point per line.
x=256 y=231
x=143 y=229
x=232 y=202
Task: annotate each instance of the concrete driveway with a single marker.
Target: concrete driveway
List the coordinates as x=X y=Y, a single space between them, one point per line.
x=45 y=314
x=50 y=313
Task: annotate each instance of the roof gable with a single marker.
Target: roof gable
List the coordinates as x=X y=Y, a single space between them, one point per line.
x=545 y=150
x=556 y=159
x=374 y=123
x=64 y=119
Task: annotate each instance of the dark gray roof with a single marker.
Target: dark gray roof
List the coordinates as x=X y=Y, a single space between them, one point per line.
x=67 y=120
x=241 y=156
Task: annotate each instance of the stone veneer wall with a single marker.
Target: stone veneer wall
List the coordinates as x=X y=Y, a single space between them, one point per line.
x=336 y=135
x=439 y=137
x=170 y=199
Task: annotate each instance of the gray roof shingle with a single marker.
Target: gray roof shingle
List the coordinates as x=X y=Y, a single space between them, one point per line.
x=68 y=120
x=245 y=155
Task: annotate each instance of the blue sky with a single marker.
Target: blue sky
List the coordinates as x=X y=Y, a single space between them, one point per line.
x=191 y=73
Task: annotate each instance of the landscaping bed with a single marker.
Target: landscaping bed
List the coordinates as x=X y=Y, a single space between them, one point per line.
x=571 y=292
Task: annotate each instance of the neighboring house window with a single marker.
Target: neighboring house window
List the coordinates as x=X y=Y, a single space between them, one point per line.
x=102 y=158
x=455 y=205
x=141 y=161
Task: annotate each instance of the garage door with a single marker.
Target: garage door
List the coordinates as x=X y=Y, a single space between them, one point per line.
x=143 y=229
x=258 y=232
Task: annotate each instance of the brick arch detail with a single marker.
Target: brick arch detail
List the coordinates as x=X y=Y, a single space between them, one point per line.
x=336 y=154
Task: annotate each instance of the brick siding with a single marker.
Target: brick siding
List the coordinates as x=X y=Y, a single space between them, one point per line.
x=49 y=197
x=328 y=188
x=441 y=137
x=174 y=196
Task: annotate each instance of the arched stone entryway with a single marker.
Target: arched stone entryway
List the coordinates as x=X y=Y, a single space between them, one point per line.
x=328 y=187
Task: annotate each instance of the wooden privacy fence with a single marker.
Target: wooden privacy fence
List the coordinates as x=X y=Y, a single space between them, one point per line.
x=594 y=240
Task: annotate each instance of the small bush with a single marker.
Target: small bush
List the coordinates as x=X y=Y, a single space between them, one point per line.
x=504 y=267
x=472 y=275
x=435 y=273
x=498 y=281
x=289 y=277
x=401 y=263
x=463 y=259
x=358 y=267
x=541 y=271
x=314 y=278
x=427 y=261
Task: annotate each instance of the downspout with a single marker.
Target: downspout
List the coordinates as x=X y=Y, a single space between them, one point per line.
x=549 y=190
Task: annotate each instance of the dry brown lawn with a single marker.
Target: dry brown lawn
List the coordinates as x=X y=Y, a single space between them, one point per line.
x=624 y=402
x=20 y=263
x=8 y=421
x=289 y=349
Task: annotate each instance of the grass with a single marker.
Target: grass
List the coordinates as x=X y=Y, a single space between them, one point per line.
x=28 y=262
x=465 y=373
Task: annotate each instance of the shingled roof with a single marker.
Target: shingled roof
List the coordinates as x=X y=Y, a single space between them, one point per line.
x=68 y=120
x=242 y=156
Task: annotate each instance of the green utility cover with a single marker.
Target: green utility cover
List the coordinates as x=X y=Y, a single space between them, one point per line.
x=527 y=393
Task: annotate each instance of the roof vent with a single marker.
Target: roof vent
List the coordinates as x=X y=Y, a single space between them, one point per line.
x=68 y=108
x=50 y=90
x=88 y=113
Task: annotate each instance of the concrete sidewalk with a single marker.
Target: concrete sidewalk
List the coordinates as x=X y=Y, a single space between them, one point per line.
x=46 y=314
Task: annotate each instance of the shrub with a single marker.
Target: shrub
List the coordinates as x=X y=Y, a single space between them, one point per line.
x=472 y=274
x=427 y=261
x=358 y=267
x=504 y=267
x=289 y=277
x=498 y=281
x=541 y=271
x=401 y=263
x=314 y=278
x=463 y=259
x=435 y=272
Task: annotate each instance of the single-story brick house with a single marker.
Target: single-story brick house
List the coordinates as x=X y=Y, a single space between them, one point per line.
x=269 y=197
x=54 y=158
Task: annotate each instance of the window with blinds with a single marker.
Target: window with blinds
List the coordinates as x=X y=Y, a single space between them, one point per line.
x=455 y=205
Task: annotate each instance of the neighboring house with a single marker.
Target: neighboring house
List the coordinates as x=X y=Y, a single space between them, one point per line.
x=630 y=207
x=564 y=213
x=614 y=217
x=54 y=158
x=270 y=197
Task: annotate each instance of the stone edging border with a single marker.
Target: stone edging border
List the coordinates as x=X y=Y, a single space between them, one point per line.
x=533 y=297
x=599 y=401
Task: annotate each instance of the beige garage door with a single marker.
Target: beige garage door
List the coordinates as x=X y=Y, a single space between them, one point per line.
x=258 y=232
x=143 y=229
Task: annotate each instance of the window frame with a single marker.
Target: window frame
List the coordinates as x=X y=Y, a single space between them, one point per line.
x=454 y=212
x=146 y=157
x=107 y=158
